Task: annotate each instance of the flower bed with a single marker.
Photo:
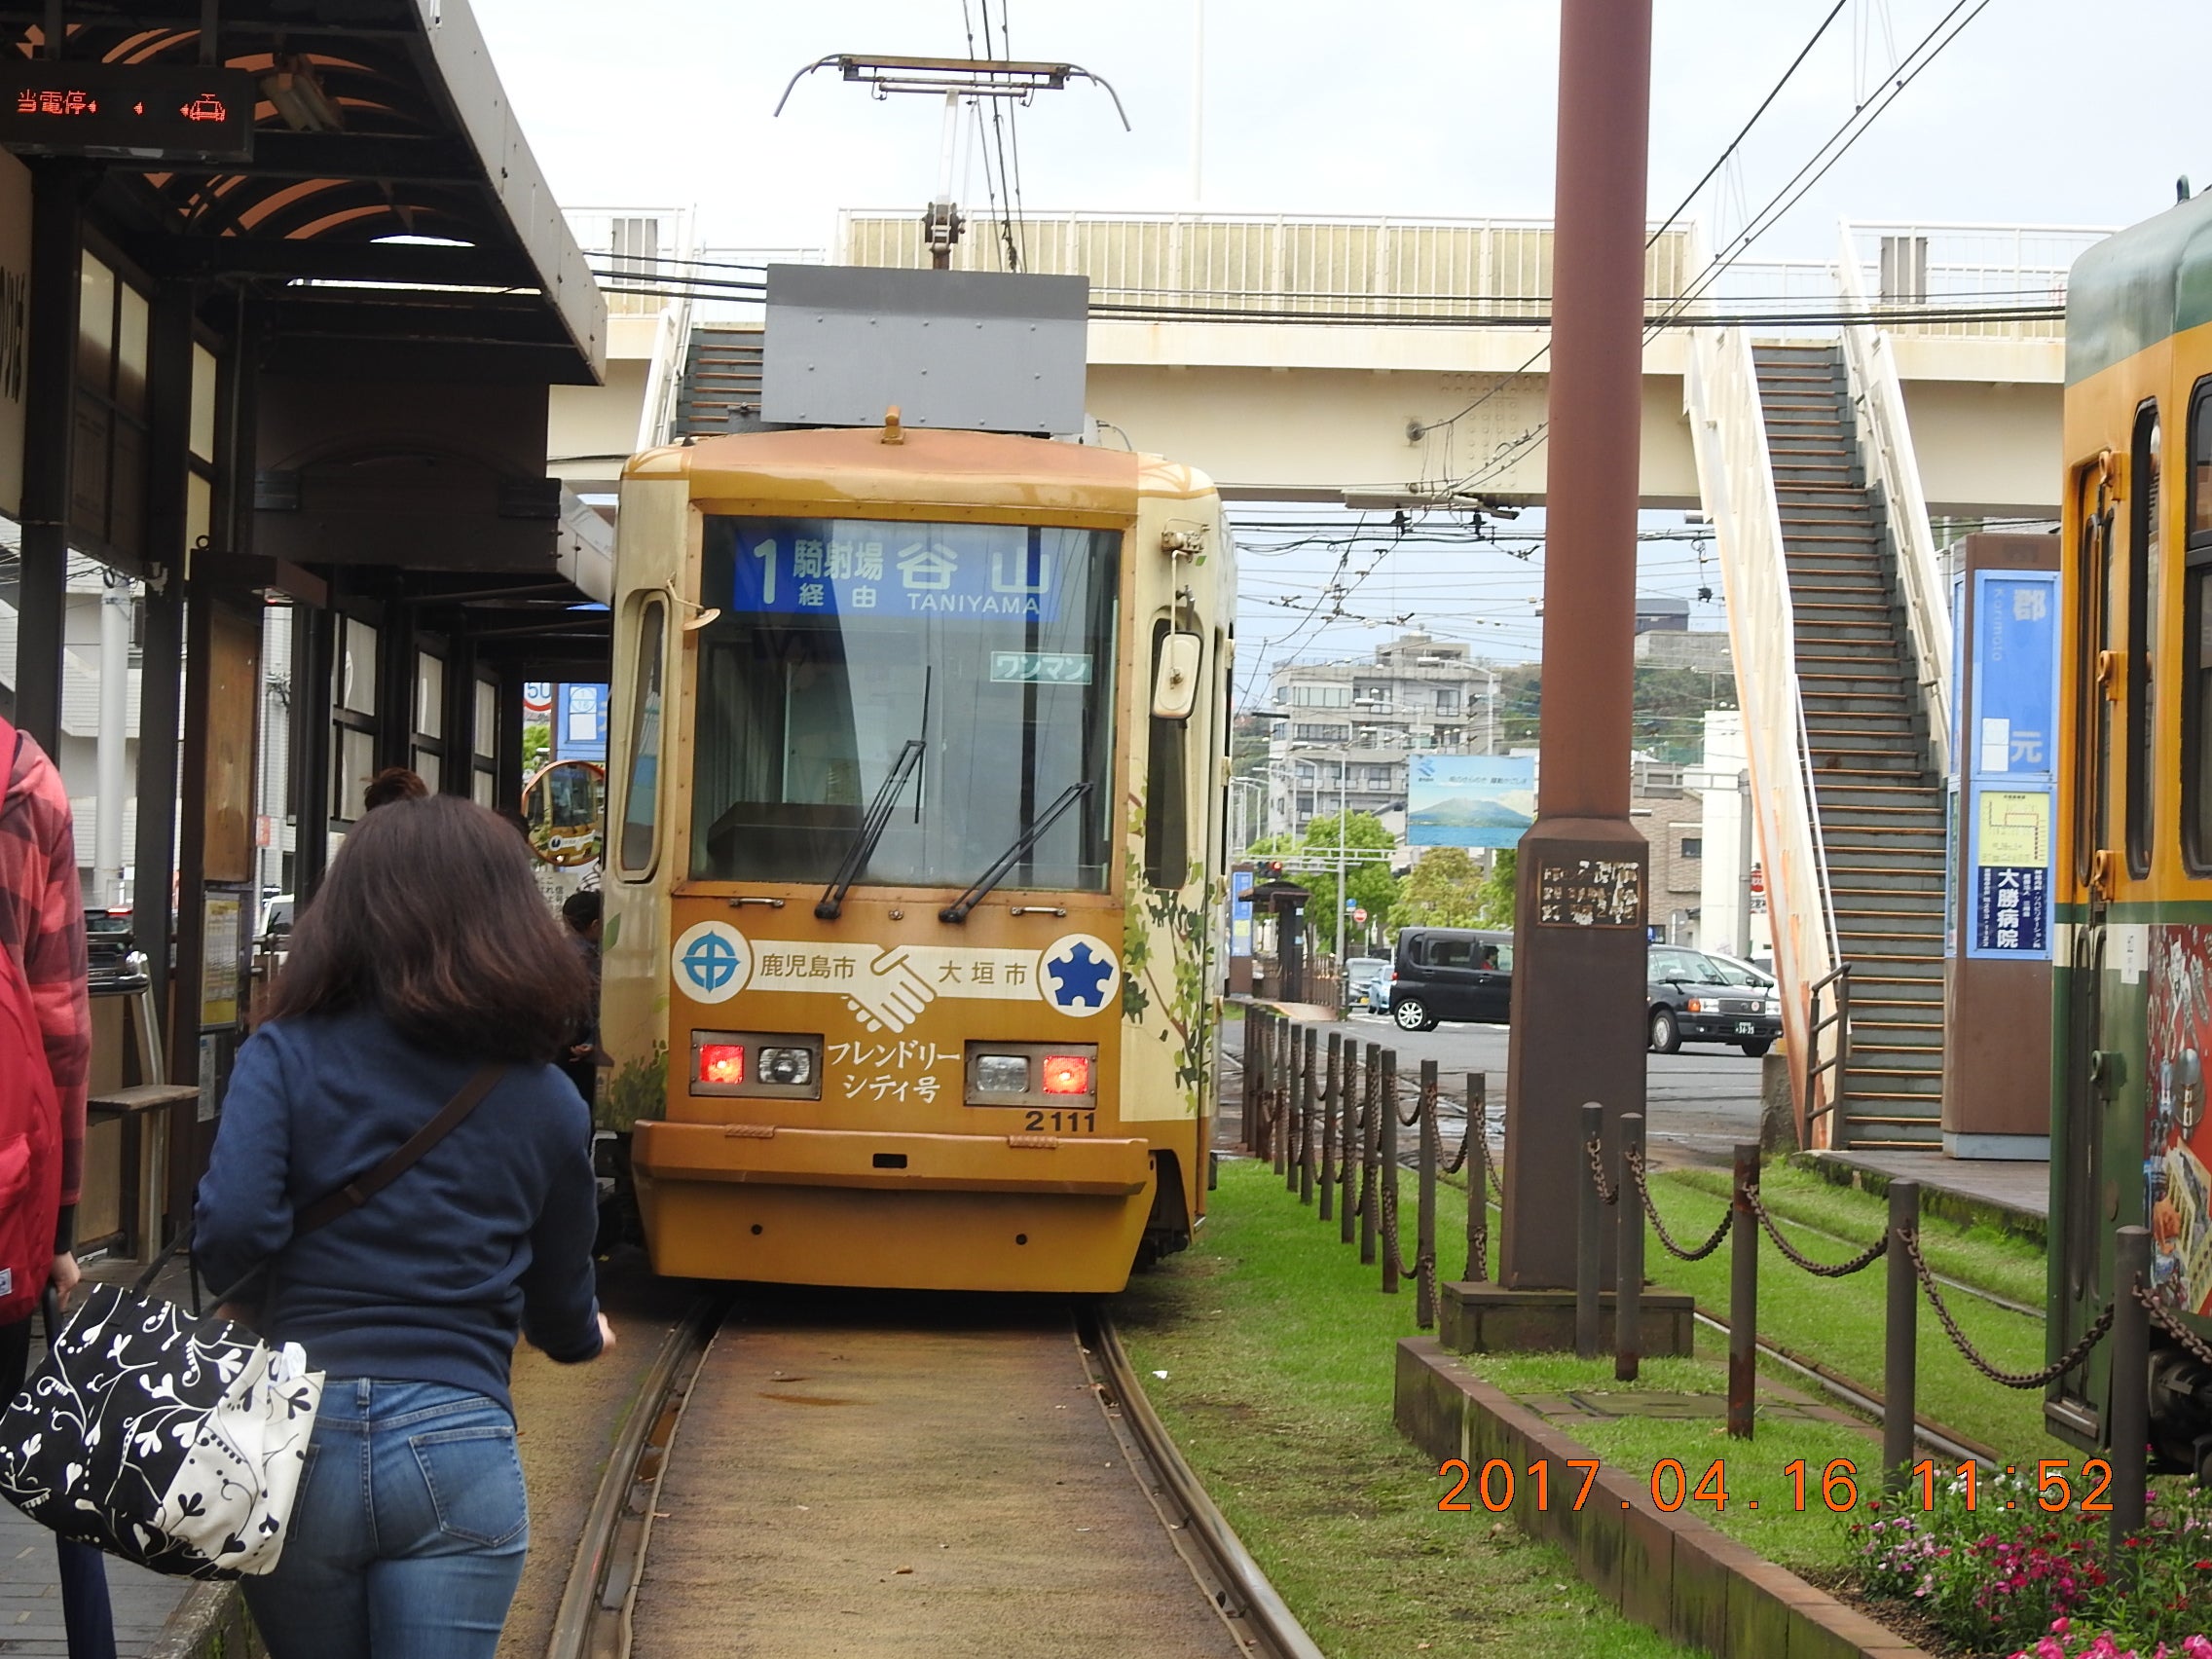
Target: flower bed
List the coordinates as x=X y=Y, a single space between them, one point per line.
x=2006 y=1576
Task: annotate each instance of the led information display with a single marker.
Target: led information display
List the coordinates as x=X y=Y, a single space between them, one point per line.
x=140 y=111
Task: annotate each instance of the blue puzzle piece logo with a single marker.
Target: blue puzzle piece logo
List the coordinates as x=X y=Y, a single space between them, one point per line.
x=1079 y=977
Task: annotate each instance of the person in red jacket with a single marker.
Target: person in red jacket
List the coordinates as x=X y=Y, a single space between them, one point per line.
x=42 y=925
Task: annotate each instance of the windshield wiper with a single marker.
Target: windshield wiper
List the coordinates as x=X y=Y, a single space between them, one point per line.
x=957 y=911
x=832 y=901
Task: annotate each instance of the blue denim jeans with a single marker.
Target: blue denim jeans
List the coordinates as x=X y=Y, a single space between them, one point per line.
x=409 y=1533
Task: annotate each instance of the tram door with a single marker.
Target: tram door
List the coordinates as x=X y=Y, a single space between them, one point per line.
x=2088 y=1090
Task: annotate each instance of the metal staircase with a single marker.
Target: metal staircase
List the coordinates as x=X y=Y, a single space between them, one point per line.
x=722 y=383
x=1878 y=799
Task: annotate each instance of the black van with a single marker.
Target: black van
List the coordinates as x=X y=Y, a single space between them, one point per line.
x=1452 y=974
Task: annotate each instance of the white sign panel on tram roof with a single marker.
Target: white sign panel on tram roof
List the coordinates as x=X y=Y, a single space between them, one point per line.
x=967 y=349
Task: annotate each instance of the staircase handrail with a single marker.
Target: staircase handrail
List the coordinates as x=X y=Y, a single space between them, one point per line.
x=1878 y=394
x=1736 y=480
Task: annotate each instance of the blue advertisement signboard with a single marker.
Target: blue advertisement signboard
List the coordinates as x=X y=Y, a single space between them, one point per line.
x=1469 y=800
x=2006 y=758
x=1239 y=913
x=579 y=723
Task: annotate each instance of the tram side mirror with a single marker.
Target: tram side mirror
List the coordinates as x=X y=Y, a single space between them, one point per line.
x=564 y=807
x=1175 y=687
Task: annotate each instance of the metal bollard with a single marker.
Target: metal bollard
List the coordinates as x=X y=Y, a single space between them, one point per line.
x=1367 y=1144
x=2130 y=1394
x=1388 y=1208
x=1424 y=1223
x=1248 y=1073
x=1900 y=1339
x=1313 y=1104
x=1329 y=1099
x=1301 y=1087
x=1347 y=1148
x=1286 y=1054
x=1743 y=1297
x=1478 y=1180
x=1627 y=1273
x=1589 y=1243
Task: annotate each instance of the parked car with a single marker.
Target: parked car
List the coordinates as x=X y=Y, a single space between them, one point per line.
x=1741 y=971
x=1696 y=998
x=112 y=958
x=1366 y=981
x=1452 y=974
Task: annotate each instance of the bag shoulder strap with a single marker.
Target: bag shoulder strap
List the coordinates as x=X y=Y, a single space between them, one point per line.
x=354 y=1193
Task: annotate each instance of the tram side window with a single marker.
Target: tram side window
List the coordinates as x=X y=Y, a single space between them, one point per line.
x=2142 y=606
x=1167 y=793
x=2197 y=643
x=640 y=793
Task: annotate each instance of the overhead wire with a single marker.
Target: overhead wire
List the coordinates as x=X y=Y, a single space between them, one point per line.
x=1854 y=127
x=1734 y=144
x=998 y=138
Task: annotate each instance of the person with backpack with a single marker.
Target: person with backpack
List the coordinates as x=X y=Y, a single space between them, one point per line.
x=427 y=993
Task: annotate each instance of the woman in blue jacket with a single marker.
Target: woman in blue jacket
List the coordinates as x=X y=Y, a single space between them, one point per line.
x=427 y=955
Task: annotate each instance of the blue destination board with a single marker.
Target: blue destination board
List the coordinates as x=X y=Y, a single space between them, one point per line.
x=981 y=572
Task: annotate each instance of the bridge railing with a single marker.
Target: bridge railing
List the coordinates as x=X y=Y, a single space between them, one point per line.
x=1977 y=271
x=1178 y=266
x=1877 y=394
x=1720 y=393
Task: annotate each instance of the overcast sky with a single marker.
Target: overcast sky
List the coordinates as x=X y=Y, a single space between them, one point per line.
x=1411 y=107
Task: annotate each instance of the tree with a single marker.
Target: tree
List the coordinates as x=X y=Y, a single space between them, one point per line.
x=536 y=749
x=1444 y=890
x=1498 y=888
x=1369 y=884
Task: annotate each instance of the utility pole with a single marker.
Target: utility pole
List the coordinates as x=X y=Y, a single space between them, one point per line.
x=1579 y=962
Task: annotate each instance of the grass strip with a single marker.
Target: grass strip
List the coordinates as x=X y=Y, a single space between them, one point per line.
x=1979 y=1255
x=1268 y=1352
x=1840 y=1322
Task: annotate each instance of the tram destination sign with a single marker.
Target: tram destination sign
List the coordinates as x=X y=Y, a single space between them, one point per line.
x=141 y=112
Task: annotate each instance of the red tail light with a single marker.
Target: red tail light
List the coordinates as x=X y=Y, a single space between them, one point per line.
x=721 y=1062
x=1067 y=1074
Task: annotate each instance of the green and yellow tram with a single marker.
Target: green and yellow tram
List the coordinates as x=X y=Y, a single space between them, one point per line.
x=2133 y=888
x=915 y=834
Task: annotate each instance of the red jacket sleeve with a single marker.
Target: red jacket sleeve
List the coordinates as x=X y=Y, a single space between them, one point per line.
x=40 y=895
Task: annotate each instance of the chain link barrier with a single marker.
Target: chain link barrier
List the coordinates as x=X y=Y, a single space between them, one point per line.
x=2163 y=1318
x=1425 y=1265
x=1607 y=1192
x=2057 y=1368
x=1665 y=1238
x=1866 y=1258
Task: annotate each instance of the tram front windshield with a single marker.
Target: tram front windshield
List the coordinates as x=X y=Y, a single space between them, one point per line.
x=842 y=641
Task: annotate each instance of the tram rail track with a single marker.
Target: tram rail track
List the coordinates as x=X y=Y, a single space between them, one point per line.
x=599 y=1612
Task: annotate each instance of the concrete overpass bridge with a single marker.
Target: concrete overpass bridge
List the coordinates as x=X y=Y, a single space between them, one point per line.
x=1827 y=417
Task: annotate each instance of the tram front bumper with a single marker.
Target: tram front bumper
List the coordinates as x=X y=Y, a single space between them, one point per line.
x=772 y=1155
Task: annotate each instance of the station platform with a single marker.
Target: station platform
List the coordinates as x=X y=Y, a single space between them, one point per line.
x=2013 y=1196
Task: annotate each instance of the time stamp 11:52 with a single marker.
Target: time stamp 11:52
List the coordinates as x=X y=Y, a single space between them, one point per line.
x=1494 y=1485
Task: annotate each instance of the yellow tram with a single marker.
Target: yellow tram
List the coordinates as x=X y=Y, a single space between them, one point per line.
x=2133 y=889
x=913 y=856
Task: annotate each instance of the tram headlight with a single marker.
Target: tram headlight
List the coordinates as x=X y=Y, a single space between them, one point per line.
x=1002 y=1073
x=721 y=1062
x=787 y=1066
x=1067 y=1074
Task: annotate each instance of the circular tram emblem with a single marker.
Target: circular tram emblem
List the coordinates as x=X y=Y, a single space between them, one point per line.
x=1079 y=973
x=711 y=961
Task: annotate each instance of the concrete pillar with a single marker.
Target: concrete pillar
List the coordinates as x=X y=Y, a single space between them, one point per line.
x=1578 y=978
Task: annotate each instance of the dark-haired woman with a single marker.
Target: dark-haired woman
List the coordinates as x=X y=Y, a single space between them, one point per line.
x=426 y=956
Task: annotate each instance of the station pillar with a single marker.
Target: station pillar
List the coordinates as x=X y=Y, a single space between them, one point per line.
x=1580 y=969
